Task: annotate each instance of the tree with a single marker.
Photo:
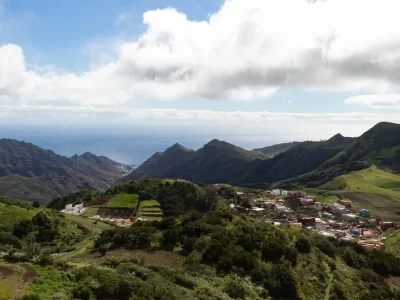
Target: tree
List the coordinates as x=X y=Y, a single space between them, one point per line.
x=303 y=245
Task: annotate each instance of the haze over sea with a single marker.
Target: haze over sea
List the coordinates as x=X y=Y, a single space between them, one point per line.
x=129 y=146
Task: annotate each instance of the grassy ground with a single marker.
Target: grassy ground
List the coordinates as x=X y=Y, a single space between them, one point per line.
x=50 y=281
x=14 y=280
x=150 y=209
x=90 y=212
x=8 y=282
x=392 y=243
x=371 y=180
x=11 y=215
x=124 y=200
x=93 y=225
x=385 y=208
x=158 y=258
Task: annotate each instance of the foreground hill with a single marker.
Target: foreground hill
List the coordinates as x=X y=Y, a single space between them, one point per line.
x=30 y=173
x=222 y=162
x=202 y=250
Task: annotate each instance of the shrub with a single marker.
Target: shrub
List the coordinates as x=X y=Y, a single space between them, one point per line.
x=303 y=245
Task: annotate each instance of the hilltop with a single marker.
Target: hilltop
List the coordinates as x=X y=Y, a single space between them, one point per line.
x=220 y=161
x=274 y=150
x=378 y=146
x=30 y=173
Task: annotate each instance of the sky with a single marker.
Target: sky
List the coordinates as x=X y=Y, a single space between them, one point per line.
x=299 y=69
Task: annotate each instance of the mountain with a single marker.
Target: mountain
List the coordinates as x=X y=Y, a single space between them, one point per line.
x=378 y=146
x=30 y=173
x=217 y=161
x=298 y=160
x=276 y=149
x=220 y=161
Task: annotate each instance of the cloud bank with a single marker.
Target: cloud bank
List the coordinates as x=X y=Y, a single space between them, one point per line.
x=247 y=50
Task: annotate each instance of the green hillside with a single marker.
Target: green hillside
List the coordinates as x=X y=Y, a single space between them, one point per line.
x=199 y=250
x=378 y=146
x=371 y=180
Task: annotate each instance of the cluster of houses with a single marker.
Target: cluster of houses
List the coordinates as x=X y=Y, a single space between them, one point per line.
x=338 y=220
x=78 y=209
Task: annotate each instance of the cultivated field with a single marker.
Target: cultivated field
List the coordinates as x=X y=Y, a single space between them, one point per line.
x=150 y=209
x=124 y=200
x=101 y=201
x=387 y=209
x=371 y=180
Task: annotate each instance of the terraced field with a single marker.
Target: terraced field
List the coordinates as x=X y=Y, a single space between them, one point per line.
x=150 y=209
x=124 y=200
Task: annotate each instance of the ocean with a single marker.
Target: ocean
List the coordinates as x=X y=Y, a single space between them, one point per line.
x=128 y=148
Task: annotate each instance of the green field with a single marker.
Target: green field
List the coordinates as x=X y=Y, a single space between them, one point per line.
x=372 y=188
x=11 y=215
x=95 y=226
x=90 y=212
x=371 y=180
x=124 y=201
x=150 y=209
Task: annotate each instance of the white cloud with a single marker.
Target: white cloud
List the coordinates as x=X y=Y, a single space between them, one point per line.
x=376 y=101
x=246 y=50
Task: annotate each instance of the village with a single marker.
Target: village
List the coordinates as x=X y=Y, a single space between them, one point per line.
x=337 y=220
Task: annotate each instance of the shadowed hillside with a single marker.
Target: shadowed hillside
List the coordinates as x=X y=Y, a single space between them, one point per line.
x=30 y=173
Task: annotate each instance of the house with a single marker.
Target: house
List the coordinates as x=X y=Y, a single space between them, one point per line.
x=386 y=225
x=270 y=204
x=349 y=217
x=258 y=210
x=284 y=193
x=275 y=192
x=306 y=221
x=327 y=215
x=338 y=209
x=364 y=213
x=239 y=193
x=307 y=201
x=318 y=206
x=345 y=202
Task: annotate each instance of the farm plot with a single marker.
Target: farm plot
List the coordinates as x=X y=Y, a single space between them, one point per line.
x=101 y=201
x=385 y=208
x=124 y=201
x=150 y=209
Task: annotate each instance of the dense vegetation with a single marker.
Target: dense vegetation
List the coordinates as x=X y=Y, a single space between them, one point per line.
x=219 y=254
x=220 y=162
x=378 y=146
x=273 y=260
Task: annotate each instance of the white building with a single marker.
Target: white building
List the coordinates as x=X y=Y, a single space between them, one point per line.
x=276 y=192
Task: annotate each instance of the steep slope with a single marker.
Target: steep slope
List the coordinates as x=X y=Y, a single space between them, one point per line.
x=216 y=161
x=276 y=149
x=219 y=161
x=298 y=160
x=378 y=146
x=30 y=173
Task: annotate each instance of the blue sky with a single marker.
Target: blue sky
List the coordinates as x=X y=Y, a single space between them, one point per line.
x=201 y=62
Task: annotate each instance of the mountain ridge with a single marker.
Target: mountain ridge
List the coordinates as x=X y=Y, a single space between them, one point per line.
x=29 y=172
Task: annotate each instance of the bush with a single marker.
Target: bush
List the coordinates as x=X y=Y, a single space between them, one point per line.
x=31 y=297
x=303 y=245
